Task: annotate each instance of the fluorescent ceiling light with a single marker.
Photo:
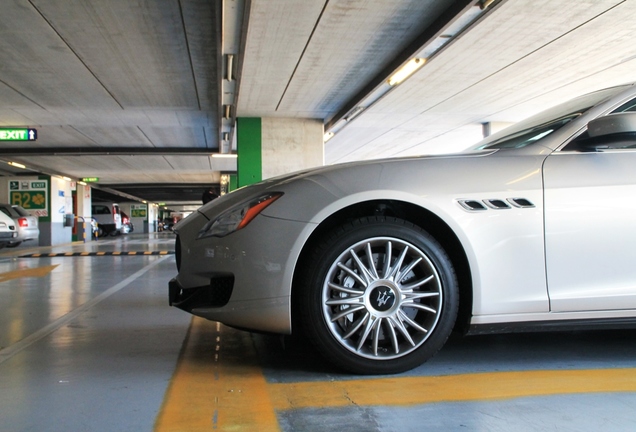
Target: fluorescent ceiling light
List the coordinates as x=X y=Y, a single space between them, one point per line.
x=406 y=71
x=224 y=155
x=17 y=165
x=327 y=136
x=228 y=66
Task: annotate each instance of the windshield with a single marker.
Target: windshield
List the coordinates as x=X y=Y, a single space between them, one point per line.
x=537 y=127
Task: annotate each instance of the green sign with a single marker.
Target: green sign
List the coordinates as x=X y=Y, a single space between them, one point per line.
x=138 y=213
x=30 y=200
x=18 y=134
x=90 y=179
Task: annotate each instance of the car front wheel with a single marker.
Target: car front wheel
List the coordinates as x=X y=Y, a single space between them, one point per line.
x=379 y=296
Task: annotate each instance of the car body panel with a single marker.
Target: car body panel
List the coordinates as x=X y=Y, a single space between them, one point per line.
x=590 y=253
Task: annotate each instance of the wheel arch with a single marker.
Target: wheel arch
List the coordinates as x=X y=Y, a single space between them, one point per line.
x=414 y=214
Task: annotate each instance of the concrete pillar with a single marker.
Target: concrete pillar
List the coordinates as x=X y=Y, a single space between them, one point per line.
x=83 y=213
x=490 y=128
x=270 y=147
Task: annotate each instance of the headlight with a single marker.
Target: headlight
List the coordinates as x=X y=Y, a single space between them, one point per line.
x=238 y=216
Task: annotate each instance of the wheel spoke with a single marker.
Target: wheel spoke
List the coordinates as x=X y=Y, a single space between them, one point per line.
x=398 y=324
x=398 y=264
x=417 y=284
x=345 y=301
x=407 y=270
x=420 y=295
x=416 y=326
x=376 y=336
x=363 y=269
x=393 y=336
x=352 y=274
x=419 y=306
x=344 y=312
x=374 y=272
x=356 y=326
x=365 y=333
x=343 y=289
x=388 y=257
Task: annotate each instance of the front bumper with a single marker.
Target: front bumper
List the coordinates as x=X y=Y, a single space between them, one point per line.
x=216 y=294
x=242 y=280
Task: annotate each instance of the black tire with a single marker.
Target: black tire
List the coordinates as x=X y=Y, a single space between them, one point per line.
x=378 y=319
x=12 y=245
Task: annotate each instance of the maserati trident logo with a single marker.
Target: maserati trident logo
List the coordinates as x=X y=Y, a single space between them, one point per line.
x=382 y=298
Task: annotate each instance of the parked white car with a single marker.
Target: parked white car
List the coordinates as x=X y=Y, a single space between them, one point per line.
x=27 y=225
x=8 y=231
x=108 y=217
x=377 y=262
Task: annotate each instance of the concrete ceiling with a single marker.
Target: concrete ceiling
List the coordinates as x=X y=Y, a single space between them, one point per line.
x=134 y=91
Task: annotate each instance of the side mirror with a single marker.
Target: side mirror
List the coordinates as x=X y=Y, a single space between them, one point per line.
x=611 y=124
x=613 y=131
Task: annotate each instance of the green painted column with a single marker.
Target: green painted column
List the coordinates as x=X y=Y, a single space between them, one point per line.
x=249 y=139
x=233 y=182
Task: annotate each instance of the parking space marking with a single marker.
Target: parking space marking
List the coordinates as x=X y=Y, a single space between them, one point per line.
x=408 y=391
x=114 y=253
x=218 y=384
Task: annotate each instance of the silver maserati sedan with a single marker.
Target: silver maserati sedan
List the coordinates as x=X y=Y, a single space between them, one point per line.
x=377 y=262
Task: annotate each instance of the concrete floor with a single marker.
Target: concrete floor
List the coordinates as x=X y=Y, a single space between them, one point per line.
x=89 y=343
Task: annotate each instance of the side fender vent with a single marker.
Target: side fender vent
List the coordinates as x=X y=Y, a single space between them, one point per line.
x=472 y=205
x=497 y=204
x=520 y=202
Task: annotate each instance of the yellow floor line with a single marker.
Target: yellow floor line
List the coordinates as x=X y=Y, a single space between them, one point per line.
x=407 y=391
x=218 y=384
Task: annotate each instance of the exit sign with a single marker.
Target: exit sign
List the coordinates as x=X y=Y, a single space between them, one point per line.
x=90 y=179
x=18 y=134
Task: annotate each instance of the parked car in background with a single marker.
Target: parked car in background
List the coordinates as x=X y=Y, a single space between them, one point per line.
x=8 y=231
x=108 y=216
x=168 y=224
x=26 y=225
x=126 y=224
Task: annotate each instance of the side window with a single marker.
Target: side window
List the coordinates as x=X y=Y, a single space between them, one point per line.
x=584 y=143
x=628 y=107
x=100 y=210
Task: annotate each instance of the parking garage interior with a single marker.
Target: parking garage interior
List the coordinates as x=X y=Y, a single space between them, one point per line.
x=152 y=104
